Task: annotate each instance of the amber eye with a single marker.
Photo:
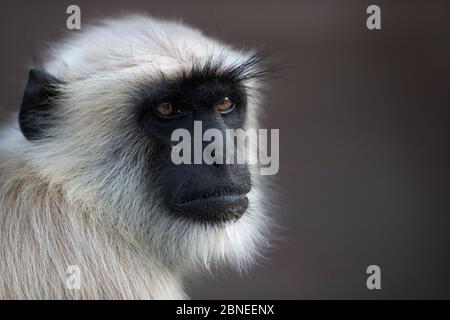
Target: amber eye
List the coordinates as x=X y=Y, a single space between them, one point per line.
x=165 y=109
x=225 y=106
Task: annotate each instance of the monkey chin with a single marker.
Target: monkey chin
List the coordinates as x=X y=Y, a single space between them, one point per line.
x=213 y=209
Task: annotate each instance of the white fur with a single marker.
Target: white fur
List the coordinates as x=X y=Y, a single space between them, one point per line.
x=64 y=201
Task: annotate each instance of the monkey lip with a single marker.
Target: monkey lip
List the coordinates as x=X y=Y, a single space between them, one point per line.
x=215 y=208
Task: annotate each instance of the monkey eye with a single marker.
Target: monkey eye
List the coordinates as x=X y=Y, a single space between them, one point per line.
x=167 y=110
x=225 y=105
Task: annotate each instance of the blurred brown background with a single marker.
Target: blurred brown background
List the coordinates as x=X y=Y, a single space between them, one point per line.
x=364 y=128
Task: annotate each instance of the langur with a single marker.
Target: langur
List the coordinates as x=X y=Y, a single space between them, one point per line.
x=86 y=177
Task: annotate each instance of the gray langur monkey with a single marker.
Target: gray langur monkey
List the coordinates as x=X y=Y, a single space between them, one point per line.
x=86 y=178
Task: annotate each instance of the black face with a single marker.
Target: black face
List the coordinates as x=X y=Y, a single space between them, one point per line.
x=206 y=193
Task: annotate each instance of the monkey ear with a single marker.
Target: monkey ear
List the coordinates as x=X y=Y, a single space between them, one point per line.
x=36 y=112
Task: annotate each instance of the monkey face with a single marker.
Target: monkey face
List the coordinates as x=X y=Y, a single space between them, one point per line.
x=205 y=193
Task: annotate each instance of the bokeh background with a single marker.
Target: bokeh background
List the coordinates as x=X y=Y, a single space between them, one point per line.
x=364 y=128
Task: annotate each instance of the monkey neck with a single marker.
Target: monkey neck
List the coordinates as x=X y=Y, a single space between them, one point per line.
x=42 y=233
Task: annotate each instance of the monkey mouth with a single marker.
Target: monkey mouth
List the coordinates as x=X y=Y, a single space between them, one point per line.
x=215 y=207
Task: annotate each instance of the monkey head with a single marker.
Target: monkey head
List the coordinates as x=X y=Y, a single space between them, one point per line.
x=99 y=116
